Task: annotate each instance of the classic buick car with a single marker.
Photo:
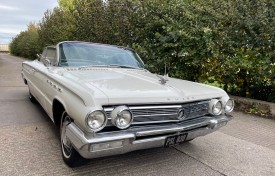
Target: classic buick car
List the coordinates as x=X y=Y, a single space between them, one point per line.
x=106 y=103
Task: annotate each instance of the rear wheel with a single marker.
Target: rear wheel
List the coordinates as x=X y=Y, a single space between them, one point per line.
x=70 y=156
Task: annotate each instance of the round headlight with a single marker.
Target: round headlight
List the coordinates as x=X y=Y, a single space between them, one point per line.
x=215 y=107
x=96 y=120
x=121 y=117
x=229 y=106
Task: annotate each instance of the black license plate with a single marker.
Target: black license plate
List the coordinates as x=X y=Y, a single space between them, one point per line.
x=175 y=140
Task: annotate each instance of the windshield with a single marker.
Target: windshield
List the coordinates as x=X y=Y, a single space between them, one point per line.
x=89 y=54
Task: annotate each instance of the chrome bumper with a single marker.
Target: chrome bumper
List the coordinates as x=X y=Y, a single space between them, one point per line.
x=143 y=137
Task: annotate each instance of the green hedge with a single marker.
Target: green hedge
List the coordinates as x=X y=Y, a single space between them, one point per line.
x=227 y=42
x=26 y=44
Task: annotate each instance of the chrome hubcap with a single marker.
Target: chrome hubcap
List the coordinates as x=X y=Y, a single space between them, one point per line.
x=65 y=142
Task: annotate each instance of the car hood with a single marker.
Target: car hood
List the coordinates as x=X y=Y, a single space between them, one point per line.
x=132 y=86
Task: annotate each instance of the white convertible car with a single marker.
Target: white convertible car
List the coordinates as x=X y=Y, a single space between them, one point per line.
x=106 y=103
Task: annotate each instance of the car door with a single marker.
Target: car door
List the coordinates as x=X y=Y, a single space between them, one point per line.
x=44 y=84
x=38 y=77
x=49 y=84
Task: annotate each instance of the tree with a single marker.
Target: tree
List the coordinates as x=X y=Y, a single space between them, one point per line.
x=228 y=43
x=26 y=44
x=55 y=26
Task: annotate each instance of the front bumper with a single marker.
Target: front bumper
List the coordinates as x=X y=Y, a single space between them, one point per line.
x=141 y=137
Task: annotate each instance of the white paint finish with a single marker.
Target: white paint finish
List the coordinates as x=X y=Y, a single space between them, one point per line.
x=82 y=91
x=128 y=86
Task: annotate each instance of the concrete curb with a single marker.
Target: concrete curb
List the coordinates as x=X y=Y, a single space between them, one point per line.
x=252 y=106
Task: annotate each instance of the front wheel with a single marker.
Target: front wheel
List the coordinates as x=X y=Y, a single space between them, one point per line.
x=70 y=156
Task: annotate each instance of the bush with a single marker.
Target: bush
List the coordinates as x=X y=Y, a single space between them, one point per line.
x=230 y=43
x=26 y=44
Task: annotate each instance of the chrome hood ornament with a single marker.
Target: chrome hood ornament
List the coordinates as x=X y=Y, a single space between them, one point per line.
x=164 y=78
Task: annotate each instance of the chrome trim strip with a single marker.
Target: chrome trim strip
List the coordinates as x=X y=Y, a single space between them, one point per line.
x=155 y=122
x=141 y=141
x=147 y=107
x=160 y=131
x=154 y=107
x=152 y=115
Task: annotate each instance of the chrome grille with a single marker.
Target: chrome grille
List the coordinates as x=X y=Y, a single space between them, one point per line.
x=162 y=113
x=195 y=109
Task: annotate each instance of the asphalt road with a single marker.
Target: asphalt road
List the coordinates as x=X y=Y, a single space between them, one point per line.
x=29 y=143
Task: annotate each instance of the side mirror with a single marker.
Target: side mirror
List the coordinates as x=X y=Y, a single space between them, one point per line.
x=47 y=62
x=38 y=56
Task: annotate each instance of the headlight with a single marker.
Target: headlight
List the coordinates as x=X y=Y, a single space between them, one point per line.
x=121 y=117
x=215 y=107
x=96 y=120
x=229 y=105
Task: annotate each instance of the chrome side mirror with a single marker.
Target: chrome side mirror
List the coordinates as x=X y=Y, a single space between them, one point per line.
x=47 y=62
x=38 y=56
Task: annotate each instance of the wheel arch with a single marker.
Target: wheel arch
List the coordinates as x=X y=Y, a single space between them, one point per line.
x=25 y=81
x=58 y=108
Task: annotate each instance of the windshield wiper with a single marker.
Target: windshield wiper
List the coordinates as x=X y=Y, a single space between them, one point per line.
x=122 y=66
x=110 y=66
x=86 y=66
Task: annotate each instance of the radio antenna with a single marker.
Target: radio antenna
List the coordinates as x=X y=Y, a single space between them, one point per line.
x=165 y=69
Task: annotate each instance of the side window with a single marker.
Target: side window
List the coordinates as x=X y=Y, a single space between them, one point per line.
x=51 y=55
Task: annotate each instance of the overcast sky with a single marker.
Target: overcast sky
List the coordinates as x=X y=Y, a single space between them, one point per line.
x=15 y=15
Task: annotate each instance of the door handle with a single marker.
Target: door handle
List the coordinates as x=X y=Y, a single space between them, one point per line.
x=33 y=70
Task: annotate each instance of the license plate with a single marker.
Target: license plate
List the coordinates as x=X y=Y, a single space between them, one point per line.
x=175 y=140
